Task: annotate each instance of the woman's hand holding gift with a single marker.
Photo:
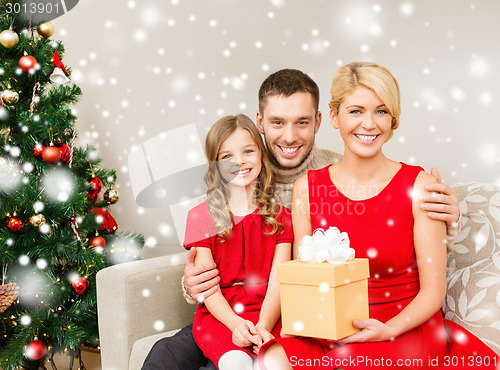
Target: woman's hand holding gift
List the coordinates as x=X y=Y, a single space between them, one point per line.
x=371 y=331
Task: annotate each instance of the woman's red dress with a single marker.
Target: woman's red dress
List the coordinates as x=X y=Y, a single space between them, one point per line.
x=380 y=228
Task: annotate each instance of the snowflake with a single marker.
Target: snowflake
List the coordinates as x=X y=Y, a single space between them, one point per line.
x=239 y=308
x=41 y=264
x=372 y=252
x=298 y=326
x=407 y=9
x=25 y=320
x=159 y=325
x=24 y=260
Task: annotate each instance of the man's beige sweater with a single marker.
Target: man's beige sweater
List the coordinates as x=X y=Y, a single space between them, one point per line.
x=284 y=178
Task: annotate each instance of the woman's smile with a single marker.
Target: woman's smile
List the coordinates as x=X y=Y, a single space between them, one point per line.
x=366 y=139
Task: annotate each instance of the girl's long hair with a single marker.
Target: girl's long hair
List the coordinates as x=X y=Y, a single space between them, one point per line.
x=218 y=193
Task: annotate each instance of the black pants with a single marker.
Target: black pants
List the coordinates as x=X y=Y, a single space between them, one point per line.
x=179 y=352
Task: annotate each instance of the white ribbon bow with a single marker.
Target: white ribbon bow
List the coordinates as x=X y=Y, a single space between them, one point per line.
x=330 y=245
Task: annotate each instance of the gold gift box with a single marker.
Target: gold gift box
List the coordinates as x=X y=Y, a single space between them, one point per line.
x=321 y=300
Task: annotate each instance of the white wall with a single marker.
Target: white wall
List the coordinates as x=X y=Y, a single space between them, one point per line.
x=147 y=66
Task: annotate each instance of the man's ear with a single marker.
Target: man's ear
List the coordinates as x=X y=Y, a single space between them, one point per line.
x=259 y=122
x=317 y=123
x=334 y=120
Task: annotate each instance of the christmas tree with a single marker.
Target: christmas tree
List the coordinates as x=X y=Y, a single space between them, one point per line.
x=55 y=230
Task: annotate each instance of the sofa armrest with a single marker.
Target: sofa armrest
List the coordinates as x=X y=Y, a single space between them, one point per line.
x=138 y=299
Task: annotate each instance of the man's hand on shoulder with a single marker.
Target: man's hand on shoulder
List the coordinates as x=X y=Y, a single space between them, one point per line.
x=441 y=202
x=199 y=281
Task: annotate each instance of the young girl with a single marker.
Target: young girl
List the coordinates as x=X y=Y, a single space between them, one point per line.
x=406 y=249
x=246 y=233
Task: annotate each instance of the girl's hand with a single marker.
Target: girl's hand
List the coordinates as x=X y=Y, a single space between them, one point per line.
x=245 y=334
x=371 y=331
x=263 y=336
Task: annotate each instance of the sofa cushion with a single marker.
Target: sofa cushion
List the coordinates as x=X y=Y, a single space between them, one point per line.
x=473 y=296
x=141 y=348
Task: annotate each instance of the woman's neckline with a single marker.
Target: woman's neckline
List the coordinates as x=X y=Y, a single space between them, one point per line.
x=373 y=197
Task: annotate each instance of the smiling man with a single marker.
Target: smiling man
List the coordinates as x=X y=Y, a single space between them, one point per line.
x=289 y=119
x=289 y=125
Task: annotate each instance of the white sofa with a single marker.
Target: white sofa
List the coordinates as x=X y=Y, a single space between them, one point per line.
x=140 y=302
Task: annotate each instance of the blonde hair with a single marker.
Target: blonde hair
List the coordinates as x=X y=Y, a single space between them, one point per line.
x=217 y=192
x=372 y=76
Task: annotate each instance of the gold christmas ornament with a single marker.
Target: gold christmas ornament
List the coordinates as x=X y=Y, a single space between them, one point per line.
x=4 y=132
x=37 y=220
x=45 y=29
x=111 y=196
x=10 y=97
x=9 y=38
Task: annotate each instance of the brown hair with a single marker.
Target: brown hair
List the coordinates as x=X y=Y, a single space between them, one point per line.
x=374 y=77
x=217 y=192
x=287 y=82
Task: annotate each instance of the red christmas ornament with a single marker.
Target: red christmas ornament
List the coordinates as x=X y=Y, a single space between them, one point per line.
x=65 y=152
x=38 y=150
x=80 y=285
x=92 y=195
x=27 y=62
x=51 y=154
x=57 y=62
x=15 y=224
x=97 y=242
x=95 y=184
x=108 y=223
x=36 y=350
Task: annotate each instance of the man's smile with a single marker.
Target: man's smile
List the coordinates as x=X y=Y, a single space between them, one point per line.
x=289 y=151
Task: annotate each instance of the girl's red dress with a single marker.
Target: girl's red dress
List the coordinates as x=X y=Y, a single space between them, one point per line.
x=244 y=262
x=380 y=228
